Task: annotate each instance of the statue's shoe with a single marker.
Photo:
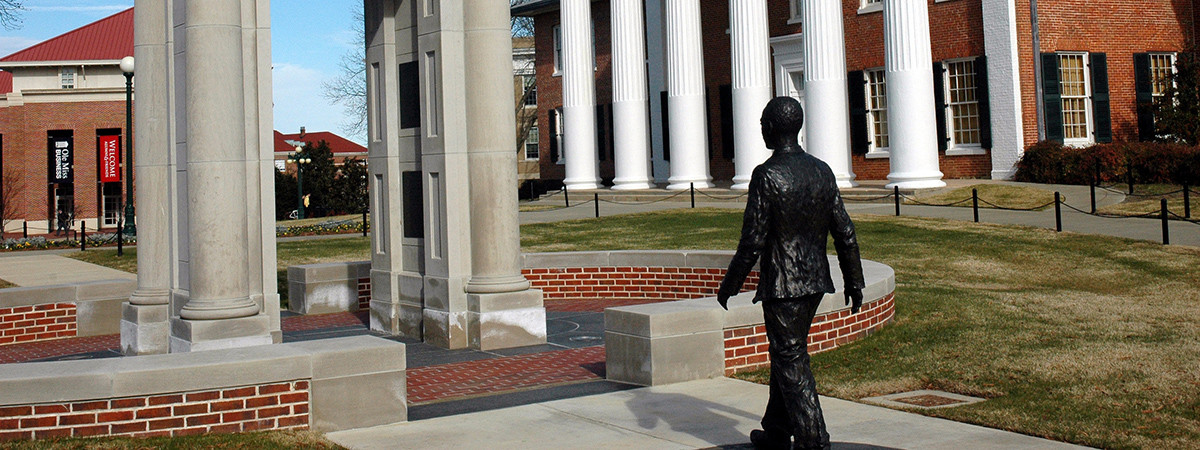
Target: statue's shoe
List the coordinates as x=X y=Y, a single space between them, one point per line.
x=763 y=441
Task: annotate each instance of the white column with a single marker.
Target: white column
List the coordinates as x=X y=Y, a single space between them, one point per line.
x=685 y=96
x=631 y=134
x=911 y=117
x=750 y=47
x=502 y=310
x=144 y=322
x=827 y=116
x=1004 y=86
x=216 y=163
x=579 y=96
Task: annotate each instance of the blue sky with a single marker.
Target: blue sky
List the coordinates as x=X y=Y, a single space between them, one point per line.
x=308 y=39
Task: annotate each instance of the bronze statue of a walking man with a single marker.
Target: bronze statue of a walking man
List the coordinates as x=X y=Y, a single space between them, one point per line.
x=793 y=205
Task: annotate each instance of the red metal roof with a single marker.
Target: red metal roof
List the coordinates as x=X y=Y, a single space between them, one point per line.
x=337 y=144
x=110 y=38
x=5 y=82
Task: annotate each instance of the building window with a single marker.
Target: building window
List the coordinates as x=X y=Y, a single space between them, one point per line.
x=1073 y=82
x=797 y=10
x=962 y=105
x=557 y=135
x=112 y=203
x=67 y=77
x=1162 y=67
x=877 y=114
x=530 y=84
x=531 y=143
x=557 y=50
x=870 y=6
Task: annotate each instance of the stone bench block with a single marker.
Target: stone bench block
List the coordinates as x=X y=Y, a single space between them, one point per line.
x=325 y=288
x=663 y=343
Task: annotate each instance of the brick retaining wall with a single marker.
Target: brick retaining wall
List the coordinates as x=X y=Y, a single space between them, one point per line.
x=247 y=408
x=37 y=323
x=746 y=347
x=673 y=283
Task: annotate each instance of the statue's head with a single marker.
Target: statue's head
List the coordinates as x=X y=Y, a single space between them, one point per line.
x=781 y=121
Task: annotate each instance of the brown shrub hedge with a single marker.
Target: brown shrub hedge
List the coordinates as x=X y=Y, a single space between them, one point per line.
x=1148 y=162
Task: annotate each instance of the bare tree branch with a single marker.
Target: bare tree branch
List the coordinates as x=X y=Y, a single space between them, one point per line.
x=349 y=87
x=9 y=19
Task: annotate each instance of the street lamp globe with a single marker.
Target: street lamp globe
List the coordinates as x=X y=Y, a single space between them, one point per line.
x=126 y=64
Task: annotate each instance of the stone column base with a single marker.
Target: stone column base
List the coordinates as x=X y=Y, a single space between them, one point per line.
x=396 y=319
x=506 y=320
x=144 y=329
x=199 y=335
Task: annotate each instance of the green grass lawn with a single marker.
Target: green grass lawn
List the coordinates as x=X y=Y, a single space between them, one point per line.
x=267 y=440
x=5 y=284
x=1087 y=339
x=1004 y=195
x=1147 y=199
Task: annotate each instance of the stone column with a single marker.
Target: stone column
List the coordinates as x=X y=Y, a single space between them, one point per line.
x=685 y=96
x=219 y=312
x=827 y=118
x=502 y=310
x=911 y=119
x=579 y=95
x=750 y=47
x=1004 y=86
x=145 y=318
x=631 y=111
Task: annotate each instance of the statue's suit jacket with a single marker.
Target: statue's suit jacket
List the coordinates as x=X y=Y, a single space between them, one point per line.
x=792 y=206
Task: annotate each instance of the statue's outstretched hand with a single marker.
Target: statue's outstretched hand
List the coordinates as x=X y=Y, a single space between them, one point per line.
x=723 y=300
x=854 y=295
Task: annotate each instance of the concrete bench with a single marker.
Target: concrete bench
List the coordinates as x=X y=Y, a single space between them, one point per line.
x=324 y=385
x=38 y=313
x=329 y=287
x=663 y=343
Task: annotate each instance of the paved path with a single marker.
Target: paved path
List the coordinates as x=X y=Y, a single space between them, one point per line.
x=43 y=269
x=698 y=414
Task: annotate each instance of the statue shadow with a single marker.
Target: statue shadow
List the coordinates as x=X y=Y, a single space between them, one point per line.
x=710 y=422
x=833 y=445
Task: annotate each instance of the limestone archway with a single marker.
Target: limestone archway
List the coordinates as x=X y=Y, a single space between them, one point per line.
x=445 y=246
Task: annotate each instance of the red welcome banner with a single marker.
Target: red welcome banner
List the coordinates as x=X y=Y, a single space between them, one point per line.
x=110 y=159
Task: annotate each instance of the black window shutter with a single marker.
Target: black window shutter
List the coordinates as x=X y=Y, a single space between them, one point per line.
x=553 y=127
x=601 y=139
x=666 y=125
x=727 y=121
x=985 y=102
x=1101 y=111
x=1144 y=88
x=410 y=95
x=939 y=104
x=1051 y=98
x=712 y=131
x=856 y=82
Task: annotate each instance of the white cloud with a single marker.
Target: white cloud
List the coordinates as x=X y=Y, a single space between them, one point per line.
x=298 y=100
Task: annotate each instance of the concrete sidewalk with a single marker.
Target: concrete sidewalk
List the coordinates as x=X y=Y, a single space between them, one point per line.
x=699 y=414
x=44 y=269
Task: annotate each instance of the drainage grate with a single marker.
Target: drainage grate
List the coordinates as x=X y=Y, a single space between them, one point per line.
x=923 y=399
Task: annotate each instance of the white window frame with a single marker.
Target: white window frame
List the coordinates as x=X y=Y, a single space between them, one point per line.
x=874 y=151
x=797 y=10
x=1169 y=70
x=557 y=32
x=110 y=217
x=528 y=84
x=1089 y=133
x=68 y=78
x=532 y=138
x=954 y=148
x=557 y=135
x=870 y=6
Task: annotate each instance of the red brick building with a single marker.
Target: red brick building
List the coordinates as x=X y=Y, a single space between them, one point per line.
x=1005 y=75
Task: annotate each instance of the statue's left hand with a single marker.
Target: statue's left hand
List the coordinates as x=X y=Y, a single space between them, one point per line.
x=854 y=295
x=723 y=300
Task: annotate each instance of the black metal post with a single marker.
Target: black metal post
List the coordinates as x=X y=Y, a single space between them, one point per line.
x=1129 y=172
x=1187 y=202
x=25 y=229
x=1165 y=230
x=364 y=223
x=975 y=203
x=120 y=238
x=130 y=223
x=896 y=194
x=299 y=187
x=1057 y=212
x=83 y=232
x=1093 y=198
x=596 y=200
x=692 y=187
x=566 y=197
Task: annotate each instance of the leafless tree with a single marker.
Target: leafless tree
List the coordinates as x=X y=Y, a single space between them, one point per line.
x=9 y=187
x=8 y=13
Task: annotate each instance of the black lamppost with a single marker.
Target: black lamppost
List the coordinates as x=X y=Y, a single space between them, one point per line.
x=127 y=69
x=300 y=159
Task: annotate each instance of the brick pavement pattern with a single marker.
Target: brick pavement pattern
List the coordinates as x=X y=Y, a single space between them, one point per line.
x=447 y=381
